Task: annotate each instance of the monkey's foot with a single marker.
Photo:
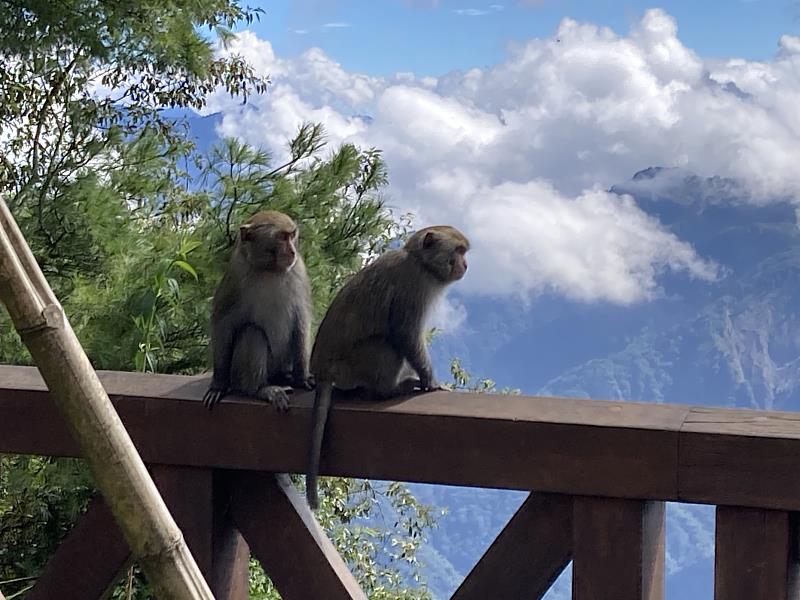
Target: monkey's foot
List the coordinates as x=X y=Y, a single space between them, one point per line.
x=275 y=395
x=434 y=388
x=212 y=396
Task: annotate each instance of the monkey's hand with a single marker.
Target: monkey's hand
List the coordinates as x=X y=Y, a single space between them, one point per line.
x=213 y=395
x=275 y=395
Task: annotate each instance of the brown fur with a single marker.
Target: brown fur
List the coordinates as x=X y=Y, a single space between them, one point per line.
x=261 y=314
x=372 y=336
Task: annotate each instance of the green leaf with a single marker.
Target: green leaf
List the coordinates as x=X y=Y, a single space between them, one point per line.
x=186 y=267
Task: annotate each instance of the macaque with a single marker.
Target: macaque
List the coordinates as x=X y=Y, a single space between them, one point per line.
x=372 y=337
x=261 y=315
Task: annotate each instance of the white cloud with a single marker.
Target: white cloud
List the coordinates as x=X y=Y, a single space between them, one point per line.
x=478 y=12
x=336 y=25
x=517 y=154
x=598 y=245
x=449 y=315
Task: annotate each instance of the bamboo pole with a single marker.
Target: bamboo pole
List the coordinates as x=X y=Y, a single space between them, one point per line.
x=118 y=470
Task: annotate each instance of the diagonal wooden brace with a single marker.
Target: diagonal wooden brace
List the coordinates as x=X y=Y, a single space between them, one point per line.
x=286 y=538
x=527 y=556
x=88 y=560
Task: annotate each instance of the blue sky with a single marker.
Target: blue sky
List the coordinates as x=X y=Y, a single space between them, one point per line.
x=385 y=36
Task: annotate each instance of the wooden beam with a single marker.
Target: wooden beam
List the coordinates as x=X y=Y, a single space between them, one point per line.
x=231 y=577
x=286 y=538
x=586 y=447
x=88 y=560
x=583 y=447
x=741 y=458
x=199 y=499
x=756 y=554
x=527 y=556
x=618 y=549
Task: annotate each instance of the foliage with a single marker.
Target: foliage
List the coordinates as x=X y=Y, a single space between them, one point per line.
x=80 y=79
x=463 y=381
x=40 y=498
x=132 y=228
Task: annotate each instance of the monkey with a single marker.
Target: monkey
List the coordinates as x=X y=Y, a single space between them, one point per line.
x=261 y=315
x=371 y=338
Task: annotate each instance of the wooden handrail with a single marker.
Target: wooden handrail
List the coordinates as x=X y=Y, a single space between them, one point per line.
x=569 y=446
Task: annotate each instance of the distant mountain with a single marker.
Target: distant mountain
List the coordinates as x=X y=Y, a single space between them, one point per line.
x=734 y=342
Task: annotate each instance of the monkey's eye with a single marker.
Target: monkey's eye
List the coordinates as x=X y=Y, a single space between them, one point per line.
x=461 y=249
x=285 y=236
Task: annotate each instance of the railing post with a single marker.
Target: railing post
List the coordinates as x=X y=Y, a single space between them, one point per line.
x=756 y=554
x=618 y=549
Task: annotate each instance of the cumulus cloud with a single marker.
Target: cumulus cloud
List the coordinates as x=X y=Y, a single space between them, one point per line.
x=543 y=244
x=518 y=154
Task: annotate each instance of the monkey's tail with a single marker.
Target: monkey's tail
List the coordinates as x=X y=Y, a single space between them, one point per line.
x=319 y=417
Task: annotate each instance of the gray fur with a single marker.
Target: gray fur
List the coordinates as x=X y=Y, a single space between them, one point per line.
x=372 y=336
x=261 y=318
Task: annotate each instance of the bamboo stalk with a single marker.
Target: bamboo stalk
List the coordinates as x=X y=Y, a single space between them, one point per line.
x=118 y=470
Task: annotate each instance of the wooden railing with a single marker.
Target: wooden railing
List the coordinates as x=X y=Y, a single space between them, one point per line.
x=601 y=472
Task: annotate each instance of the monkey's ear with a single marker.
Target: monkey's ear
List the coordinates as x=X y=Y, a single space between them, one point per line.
x=429 y=240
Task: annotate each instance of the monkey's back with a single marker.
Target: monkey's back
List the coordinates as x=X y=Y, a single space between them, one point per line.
x=360 y=310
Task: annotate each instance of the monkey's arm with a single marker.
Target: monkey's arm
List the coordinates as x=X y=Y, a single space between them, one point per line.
x=415 y=352
x=405 y=335
x=301 y=377
x=222 y=346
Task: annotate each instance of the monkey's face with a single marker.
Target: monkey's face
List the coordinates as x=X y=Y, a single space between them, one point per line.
x=445 y=257
x=270 y=248
x=458 y=263
x=285 y=249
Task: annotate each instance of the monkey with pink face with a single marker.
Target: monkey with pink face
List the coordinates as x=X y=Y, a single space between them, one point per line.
x=261 y=315
x=372 y=337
